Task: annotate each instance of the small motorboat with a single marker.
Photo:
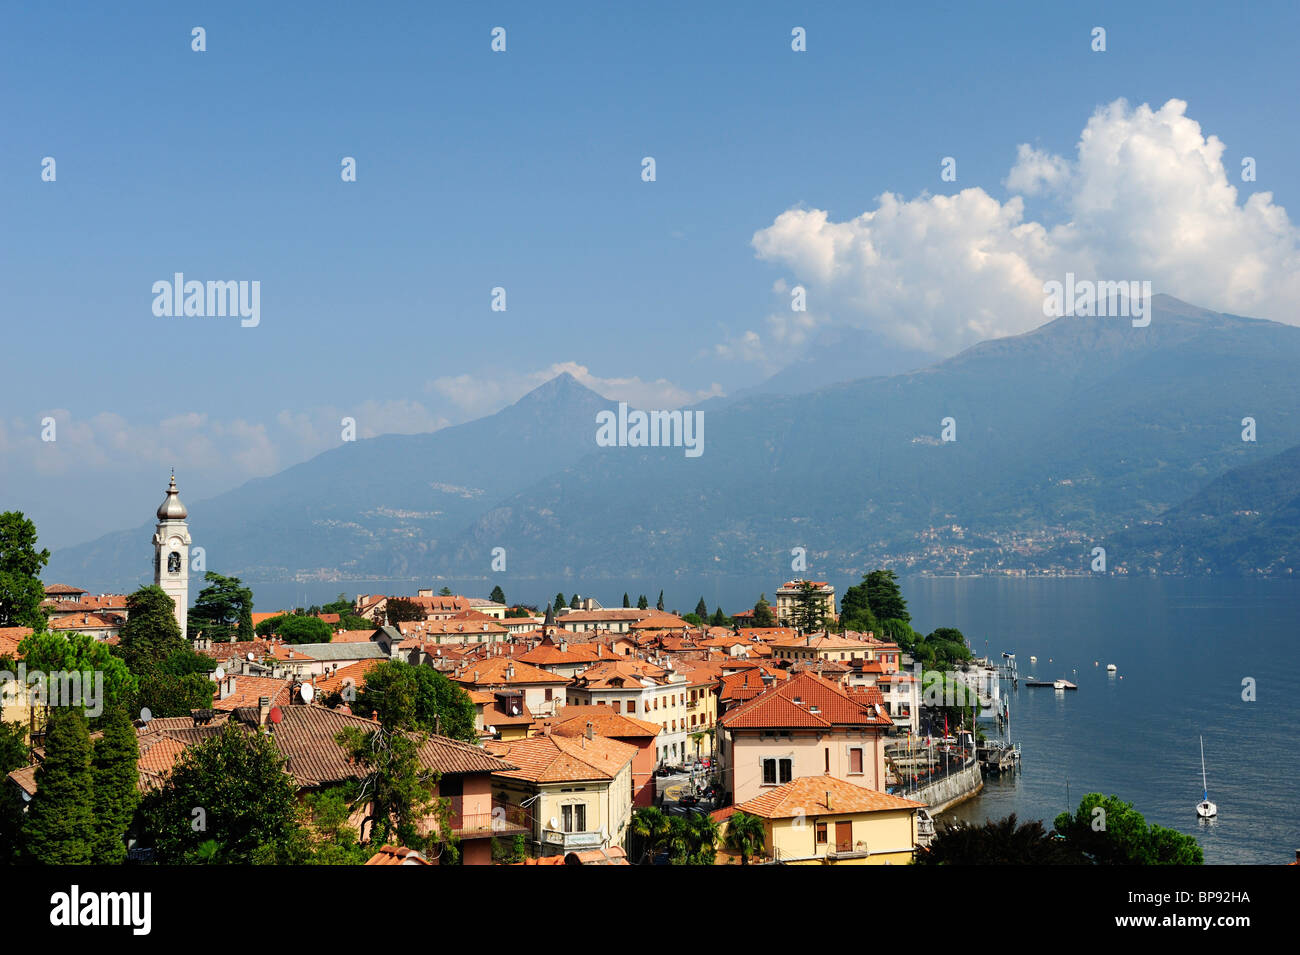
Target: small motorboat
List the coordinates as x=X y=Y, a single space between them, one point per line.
x=1111 y=668
x=1033 y=659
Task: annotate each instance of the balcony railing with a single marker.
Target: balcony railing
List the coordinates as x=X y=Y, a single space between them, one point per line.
x=573 y=840
x=503 y=820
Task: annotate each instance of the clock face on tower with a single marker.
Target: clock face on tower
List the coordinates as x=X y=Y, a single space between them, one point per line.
x=173 y=563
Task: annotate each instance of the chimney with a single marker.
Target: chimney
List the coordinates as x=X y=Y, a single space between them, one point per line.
x=591 y=731
x=828 y=799
x=263 y=710
x=510 y=670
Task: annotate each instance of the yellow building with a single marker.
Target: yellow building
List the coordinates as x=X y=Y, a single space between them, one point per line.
x=821 y=820
x=578 y=791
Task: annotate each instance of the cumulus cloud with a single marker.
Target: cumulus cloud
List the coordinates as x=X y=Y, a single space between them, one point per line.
x=1145 y=197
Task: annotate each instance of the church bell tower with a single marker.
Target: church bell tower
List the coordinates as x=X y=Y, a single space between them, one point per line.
x=171 y=553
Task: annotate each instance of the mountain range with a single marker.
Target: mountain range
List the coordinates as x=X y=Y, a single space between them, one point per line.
x=1084 y=432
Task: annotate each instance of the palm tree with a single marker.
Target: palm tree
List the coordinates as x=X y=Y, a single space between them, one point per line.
x=704 y=832
x=652 y=828
x=745 y=836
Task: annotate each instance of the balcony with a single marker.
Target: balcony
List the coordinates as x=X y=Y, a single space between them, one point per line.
x=573 y=840
x=503 y=820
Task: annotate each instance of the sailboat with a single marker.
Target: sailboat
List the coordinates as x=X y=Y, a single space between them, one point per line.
x=1205 y=809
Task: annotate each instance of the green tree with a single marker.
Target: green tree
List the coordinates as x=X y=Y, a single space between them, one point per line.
x=626 y=602
x=885 y=597
x=397 y=791
x=560 y=601
x=1001 y=842
x=649 y=830
x=746 y=836
x=642 y=603
x=151 y=632
x=166 y=695
x=244 y=801
x=702 y=610
x=60 y=826
x=304 y=630
x=855 y=609
x=222 y=608
x=808 y=613
x=1109 y=831
x=575 y=602
x=445 y=592
x=271 y=624
x=408 y=697
x=21 y=591
x=341 y=606
x=115 y=778
x=498 y=595
x=401 y=610
x=660 y=604
x=763 y=616
x=331 y=839
x=52 y=653
x=13 y=747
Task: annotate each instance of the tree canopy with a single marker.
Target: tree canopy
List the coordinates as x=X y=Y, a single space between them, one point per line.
x=223 y=608
x=21 y=590
x=408 y=697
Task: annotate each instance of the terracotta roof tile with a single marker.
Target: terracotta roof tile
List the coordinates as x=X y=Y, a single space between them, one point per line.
x=806 y=796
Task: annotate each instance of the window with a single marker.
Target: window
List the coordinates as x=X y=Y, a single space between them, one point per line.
x=855 y=761
x=828 y=759
x=777 y=771
x=548 y=695
x=574 y=817
x=821 y=833
x=618 y=706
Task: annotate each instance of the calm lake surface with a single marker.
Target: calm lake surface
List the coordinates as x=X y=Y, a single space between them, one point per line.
x=1182 y=646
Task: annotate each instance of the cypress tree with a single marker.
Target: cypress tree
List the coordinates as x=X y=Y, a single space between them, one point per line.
x=559 y=602
x=115 y=775
x=60 y=826
x=626 y=602
x=702 y=610
x=660 y=604
x=642 y=603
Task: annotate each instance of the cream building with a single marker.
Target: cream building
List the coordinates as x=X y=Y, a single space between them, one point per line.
x=578 y=790
x=821 y=820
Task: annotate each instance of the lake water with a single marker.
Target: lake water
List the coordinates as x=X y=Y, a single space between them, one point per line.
x=1183 y=648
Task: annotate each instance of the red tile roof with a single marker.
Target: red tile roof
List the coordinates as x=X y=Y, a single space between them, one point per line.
x=807 y=796
x=548 y=759
x=820 y=703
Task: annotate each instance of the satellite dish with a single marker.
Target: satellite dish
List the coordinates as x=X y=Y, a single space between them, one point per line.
x=306 y=691
x=145 y=715
x=250 y=654
x=492 y=730
x=275 y=716
x=555 y=823
x=218 y=674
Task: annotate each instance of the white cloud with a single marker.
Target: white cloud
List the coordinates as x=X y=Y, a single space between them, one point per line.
x=1146 y=197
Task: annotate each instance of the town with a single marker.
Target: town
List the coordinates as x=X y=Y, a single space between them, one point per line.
x=438 y=727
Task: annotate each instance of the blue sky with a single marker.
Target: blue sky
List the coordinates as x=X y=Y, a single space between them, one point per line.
x=522 y=170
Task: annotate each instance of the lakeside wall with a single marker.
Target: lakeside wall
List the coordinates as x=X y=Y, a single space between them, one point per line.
x=947 y=792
